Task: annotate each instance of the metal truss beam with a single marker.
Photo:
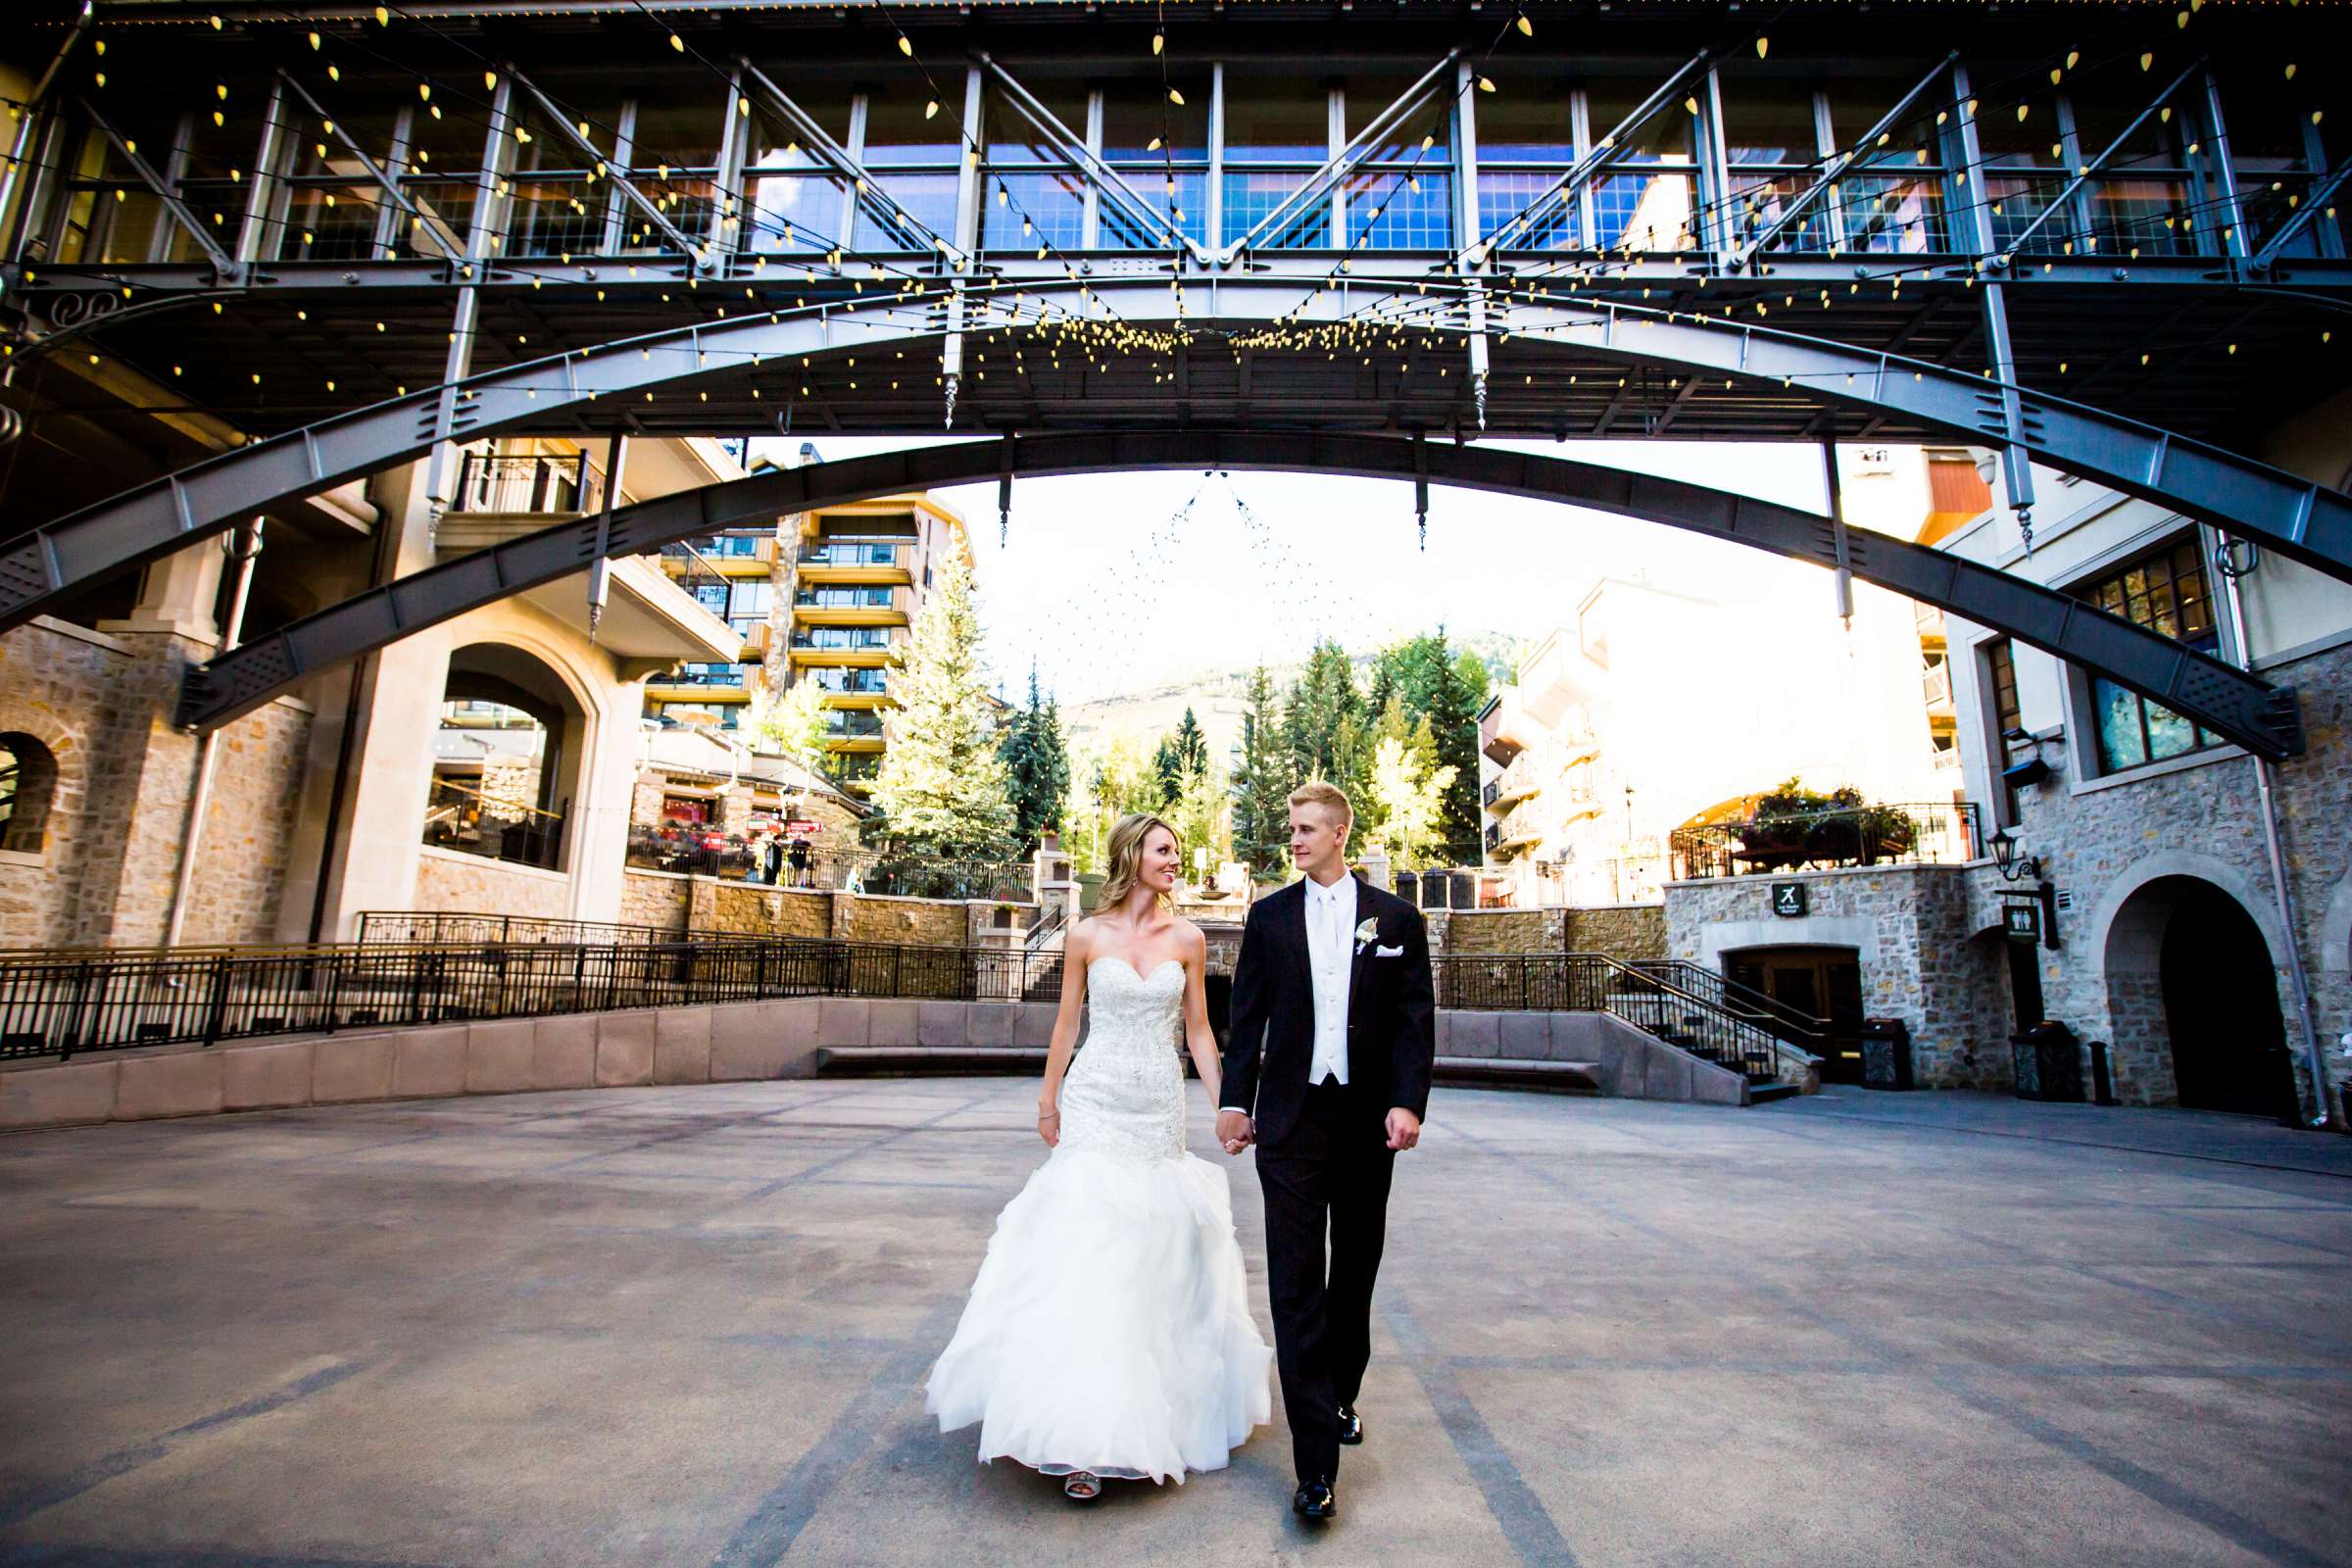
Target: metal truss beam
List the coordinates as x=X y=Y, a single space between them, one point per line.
x=1340 y=164
x=1837 y=166
x=1581 y=173
x=623 y=178
x=2243 y=497
x=2084 y=175
x=870 y=192
x=2317 y=198
x=223 y=266
x=2223 y=698
x=1109 y=180
x=385 y=181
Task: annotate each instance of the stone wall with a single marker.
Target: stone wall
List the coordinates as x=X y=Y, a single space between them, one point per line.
x=101 y=703
x=1910 y=926
x=1626 y=932
x=2105 y=846
x=454 y=883
x=922 y=921
x=757 y=909
x=656 y=899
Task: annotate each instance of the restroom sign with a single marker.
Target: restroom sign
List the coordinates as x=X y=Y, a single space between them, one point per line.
x=2022 y=921
x=1789 y=900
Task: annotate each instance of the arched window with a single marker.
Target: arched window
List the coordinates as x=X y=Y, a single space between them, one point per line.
x=507 y=757
x=27 y=784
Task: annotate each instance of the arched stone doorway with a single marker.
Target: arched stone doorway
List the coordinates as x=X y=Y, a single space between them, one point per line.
x=2193 y=992
x=507 y=758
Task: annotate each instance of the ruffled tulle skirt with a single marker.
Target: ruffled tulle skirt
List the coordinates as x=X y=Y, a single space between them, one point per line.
x=1109 y=1327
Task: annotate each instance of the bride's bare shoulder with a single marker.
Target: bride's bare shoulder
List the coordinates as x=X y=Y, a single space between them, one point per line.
x=1191 y=940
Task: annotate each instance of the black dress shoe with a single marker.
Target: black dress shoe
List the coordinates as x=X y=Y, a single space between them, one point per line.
x=1314 y=1500
x=1352 y=1425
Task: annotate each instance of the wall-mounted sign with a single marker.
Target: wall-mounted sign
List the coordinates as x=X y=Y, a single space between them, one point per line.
x=2021 y=923
x=1789 y=900
x=801 y=828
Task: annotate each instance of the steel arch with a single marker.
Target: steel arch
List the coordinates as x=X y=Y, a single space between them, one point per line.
x=2226 y=700
x=2243 y=497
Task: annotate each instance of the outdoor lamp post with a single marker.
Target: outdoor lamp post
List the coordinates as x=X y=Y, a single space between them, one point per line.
x=2005 y=858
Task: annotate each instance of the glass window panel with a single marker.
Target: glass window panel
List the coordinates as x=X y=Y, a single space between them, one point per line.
x=1504 y=196
x=1892 y=214
x=777 y=143
x=1769 y=122
x=1398 y=216
x=1857 y=104
x=2105 y=105
x=1365 y=97
x=1535 y=123
x=793 y=211
x=1757 y=204
x=1028 y=210
x=1252 y=194
x=1641 y=212
x=898 y=134
x=1013 y=140
x=320 y=156
x=929 y=198
x=1122 y=231
x=1135 y=113
x=1666 y=136
x=680 y=129
x=2169 y=734
x=2117 y=711
x=446 y=147
x=1268 y=122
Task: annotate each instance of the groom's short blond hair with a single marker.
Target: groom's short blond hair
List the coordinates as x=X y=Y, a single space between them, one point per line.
x=1329 y=796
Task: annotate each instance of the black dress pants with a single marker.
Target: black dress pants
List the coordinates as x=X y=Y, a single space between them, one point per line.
x=1330 y=1172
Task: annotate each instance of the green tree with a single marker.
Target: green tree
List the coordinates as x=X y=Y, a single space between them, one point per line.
x=1404 y=787
x=1037 y=765
x=942 y=789
x=1262 y=821
x=1323 y=701
x=1202 y=815
x=1446 y=687
x=1167 y=773
x=1117 y=778
x=794 y=724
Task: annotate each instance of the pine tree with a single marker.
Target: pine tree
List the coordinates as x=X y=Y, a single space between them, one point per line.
x=1261 y=822
x=1167 y=773
x=1192 y=745
x=1038 y=767
x=1324 y=700
x=1435 y=682
x=941 y=788
x=1201 y=814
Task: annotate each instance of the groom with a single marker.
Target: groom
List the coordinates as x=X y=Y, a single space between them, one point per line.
x=1327 y=1069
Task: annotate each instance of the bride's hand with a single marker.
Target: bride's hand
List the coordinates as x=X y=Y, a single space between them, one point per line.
x=1049 y=1125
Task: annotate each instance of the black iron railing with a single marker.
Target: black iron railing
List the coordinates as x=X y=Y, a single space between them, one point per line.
x=102 y=1001
x=1785 y=1022
x=1593 y=982
x=435 y=928
x=1945 y=832
x=496 y=482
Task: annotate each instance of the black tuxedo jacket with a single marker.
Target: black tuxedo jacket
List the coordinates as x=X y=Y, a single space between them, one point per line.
x=1392 y=1011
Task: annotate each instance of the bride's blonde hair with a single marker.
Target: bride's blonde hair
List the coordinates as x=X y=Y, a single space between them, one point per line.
x=1124 y=855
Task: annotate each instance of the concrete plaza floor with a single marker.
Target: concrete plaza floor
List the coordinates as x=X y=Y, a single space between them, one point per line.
x=689 y=1326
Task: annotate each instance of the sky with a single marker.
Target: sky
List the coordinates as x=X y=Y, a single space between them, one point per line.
x=1124 y=582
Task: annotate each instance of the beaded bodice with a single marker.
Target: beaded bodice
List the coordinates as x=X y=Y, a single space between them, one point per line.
x=1124 y=1092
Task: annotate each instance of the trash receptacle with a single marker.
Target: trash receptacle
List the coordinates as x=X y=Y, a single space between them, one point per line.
x=1887 y=1053
x=2048 y=1063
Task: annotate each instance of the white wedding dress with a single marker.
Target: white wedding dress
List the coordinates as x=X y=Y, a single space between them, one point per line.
x=1110 y=1327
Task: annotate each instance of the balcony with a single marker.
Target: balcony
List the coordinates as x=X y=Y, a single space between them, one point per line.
x=857 y=561
x=492 y=484
x=1850 y=832
x=1936 y=685
x=852 y=606
x=1506 y=729
x=1521 y=780
x=756 y=642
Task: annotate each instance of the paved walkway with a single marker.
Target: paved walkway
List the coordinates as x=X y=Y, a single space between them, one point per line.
x=687 y=1326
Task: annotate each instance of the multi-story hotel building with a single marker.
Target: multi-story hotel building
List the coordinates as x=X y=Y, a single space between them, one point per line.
x=822 y=596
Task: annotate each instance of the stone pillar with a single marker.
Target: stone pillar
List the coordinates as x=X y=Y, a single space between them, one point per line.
x=609 y=782
x=177 y=596
x=844 y=916
x=379 y=833
x=1375 y=866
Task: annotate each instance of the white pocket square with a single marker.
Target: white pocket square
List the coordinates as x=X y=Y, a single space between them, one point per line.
x=1396 y=952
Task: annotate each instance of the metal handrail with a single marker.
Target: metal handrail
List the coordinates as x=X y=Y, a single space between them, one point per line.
x=1807 y=1029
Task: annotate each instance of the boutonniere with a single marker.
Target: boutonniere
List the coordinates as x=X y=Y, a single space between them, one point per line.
x=1365 y=932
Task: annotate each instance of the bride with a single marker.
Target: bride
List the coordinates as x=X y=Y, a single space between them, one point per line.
x=1109 y=1332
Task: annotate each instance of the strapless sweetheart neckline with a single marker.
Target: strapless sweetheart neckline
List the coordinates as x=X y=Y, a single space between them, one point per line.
x=1113 y=957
